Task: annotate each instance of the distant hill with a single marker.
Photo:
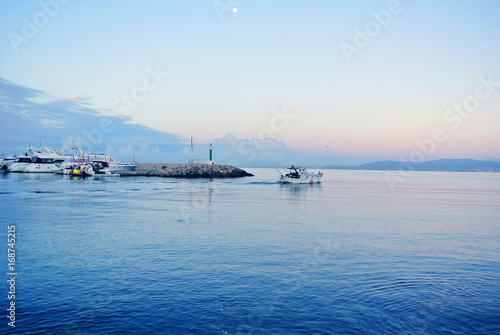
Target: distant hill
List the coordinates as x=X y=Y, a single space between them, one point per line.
x=459 y=165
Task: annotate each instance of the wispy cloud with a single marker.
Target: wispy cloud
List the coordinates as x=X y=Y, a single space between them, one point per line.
x=57 y=122
x=79 y=97
x=48 y=123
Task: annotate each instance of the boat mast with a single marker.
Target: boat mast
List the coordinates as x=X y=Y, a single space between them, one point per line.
x=191 y=158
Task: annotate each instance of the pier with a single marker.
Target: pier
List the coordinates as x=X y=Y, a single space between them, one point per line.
x=187 y=171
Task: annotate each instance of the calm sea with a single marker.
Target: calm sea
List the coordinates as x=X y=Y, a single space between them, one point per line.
x=146 y=255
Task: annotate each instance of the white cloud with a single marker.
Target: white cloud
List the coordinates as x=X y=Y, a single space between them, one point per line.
x=48 y=123
x=267 y=152
x=41 y=99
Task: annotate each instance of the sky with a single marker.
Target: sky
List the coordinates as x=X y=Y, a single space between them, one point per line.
x=325 y=82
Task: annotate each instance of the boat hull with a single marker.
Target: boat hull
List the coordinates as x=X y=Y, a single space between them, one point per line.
x=17 y=167
x=121 y=167
x=302 y=180
x=6 y=163
x=41 y=168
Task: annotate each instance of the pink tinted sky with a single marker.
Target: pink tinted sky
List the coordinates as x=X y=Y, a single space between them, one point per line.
x=366 y=79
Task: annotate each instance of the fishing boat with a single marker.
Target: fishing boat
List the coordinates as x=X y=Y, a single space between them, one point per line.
x=82 y=170
x=76 y=169
x=299 y=175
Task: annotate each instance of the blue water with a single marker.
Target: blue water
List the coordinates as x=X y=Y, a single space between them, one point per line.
x=146 y=255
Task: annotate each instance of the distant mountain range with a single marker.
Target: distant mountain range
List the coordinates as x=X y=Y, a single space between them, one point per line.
x=459 y=165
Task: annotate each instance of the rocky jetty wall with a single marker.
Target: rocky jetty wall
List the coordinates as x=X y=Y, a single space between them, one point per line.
x=187 y=171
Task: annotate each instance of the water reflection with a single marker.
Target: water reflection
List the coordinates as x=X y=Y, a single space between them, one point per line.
x=300 y=188
x=30 y=176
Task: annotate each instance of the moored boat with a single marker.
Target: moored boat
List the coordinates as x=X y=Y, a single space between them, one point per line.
x=104 y=163
x=20 y=163
x=6 y=162
x=82 y=171
x=76 y=169
x=111 y=164
x=44 y=160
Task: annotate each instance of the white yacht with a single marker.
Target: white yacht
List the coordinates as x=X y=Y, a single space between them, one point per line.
x=298 y=175
x=44 y=160
x=6 y=162
x=20 y=163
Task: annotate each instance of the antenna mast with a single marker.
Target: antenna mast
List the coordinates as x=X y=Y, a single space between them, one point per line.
x=191 y=158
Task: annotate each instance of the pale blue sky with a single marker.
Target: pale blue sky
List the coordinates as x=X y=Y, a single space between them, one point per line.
x=227 y=76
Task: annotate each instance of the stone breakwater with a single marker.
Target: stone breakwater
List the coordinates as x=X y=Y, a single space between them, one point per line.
x=187 y=171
